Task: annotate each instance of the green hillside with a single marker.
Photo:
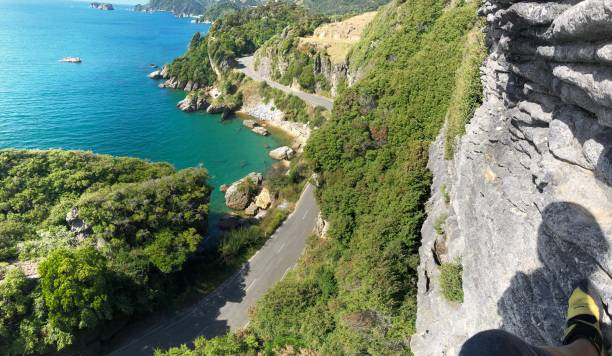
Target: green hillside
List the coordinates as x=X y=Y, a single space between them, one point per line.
x=342 y=7
x=214 y=9
x=354 y=292
x=88 y=239
x=237 y=35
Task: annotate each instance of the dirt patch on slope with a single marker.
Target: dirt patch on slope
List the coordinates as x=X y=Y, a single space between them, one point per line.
x=338 y=38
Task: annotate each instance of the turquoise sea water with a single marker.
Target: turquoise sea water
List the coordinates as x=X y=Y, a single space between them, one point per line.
x=107 y=104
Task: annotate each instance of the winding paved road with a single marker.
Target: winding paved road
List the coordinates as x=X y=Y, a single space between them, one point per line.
x=227 y=307
x=246 y=67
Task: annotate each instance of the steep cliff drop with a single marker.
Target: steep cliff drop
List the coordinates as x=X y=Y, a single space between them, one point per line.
x=526 y=204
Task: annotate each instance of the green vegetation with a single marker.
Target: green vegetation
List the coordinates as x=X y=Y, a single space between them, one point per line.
x=445 y=194
x=356 y=295
x=355 y=292
x=467 y=96
x=298 y=61
x=105 y=235
x=451 y=279
x=342 y=7
x=195 y=7
x=230 y=344
x=294 y=108
x=233 y=36
x=218 y=11
x=214 y=9
x=438 y=224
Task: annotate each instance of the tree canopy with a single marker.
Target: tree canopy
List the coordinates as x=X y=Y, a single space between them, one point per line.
x=86 y=238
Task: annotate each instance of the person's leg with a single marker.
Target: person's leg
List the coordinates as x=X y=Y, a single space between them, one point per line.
x=499 y=343
x=582 y=335
x=579 y=347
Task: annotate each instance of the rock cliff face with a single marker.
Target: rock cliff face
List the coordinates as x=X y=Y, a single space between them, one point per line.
x=269 y=61
x=528 y=196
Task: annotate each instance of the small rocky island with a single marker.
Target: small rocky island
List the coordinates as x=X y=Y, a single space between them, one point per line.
x=101 y=6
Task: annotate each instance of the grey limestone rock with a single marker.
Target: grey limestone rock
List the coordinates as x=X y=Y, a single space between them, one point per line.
x=81 y=229
x=530 y=202
x=589 y=20
x=281 y=153
x=239 y=194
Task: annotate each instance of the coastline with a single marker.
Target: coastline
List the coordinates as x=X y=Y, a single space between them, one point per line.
x=268 y=115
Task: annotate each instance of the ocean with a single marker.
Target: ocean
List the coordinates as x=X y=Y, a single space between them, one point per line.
x=106 y=104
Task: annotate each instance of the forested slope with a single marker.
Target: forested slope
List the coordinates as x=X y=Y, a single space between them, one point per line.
x=191 y=7
x=354 y=291
x=200 y=7
x=86 y=239
x=341 y=7
x=237 y=35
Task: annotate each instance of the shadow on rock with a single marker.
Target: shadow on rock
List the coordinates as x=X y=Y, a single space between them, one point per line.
x=571 y=246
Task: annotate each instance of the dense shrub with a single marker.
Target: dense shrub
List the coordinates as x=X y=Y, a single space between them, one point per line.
x=236 y=34
x=293 y=107
x=371 y=157
x=234 y=242
x=138 y=224
x=451 y=281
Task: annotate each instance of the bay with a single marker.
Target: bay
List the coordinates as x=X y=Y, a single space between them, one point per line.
x=107 y=104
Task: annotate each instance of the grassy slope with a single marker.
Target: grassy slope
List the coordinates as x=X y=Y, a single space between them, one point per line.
x=355 y=293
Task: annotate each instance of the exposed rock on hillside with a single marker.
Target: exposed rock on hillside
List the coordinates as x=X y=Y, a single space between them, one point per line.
x=328 y=48
x=260 y=131
x=271 y=116
x=194 y=101
x=528 y=197
x=264 y=199
x=240 y=194
x=77 y=225
x=282 y=153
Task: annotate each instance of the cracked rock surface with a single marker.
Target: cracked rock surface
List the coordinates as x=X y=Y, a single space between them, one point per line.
x=528 y=196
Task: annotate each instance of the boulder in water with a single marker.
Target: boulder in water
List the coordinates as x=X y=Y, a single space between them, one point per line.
x=282 y=153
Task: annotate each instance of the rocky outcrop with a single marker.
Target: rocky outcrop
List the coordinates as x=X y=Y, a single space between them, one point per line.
x=322 y=227
x=157 y=74
x=527 y=200
x=77 y=225
x=260 y=131
x=251 y=124
x=271 y=116
x=282 y=153
x=268 y=61
x=239 y=195
x=251 y=210
x=263 y=199
x=173 y=82
x=101 y=6
x=194 y=101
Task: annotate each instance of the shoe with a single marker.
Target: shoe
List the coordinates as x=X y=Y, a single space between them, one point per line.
x=584 y=312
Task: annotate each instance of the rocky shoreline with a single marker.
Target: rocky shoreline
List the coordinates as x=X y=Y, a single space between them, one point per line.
x=200 y=98
x=247 y=196
x=101 y=6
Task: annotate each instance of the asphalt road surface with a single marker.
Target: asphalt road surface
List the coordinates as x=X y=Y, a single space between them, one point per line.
x=246 y=67
x=227 y=307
